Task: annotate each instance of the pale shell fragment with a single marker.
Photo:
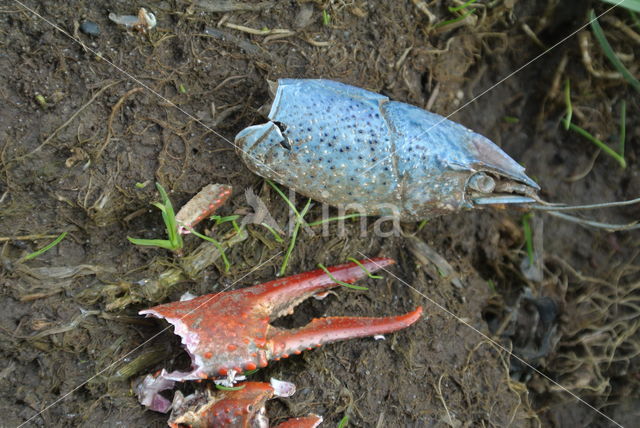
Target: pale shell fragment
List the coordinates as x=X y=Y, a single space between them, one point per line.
x=145 y=21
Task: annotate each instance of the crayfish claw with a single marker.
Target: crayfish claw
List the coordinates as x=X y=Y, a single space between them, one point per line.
x=229 y=333
x=332 y=329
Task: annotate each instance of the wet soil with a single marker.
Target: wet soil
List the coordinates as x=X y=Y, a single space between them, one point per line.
x=124 y=109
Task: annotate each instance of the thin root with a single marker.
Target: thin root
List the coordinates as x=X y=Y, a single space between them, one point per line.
x=579 y=176
x=114 y=110
x=583 y=39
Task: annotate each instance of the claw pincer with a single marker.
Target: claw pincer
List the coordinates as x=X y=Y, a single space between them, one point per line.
x=231 y=331
x=349 y=147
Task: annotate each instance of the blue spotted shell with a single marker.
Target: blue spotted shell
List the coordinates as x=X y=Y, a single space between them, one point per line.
x=350 y=147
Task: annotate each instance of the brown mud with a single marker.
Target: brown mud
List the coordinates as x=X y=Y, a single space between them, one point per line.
x=72 y=162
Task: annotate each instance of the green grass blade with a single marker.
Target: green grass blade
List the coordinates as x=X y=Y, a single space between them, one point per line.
x=230 y=218
x=218 y=245
x=275 y=234
x=283 y=196
x=567 y=100
x=635 y=18
x=462 y=6
x=169 y=217
x=326 y=18
x=162 y=243
x=492 y=286
x=343 y=422
x=623 y=127
x=369 y=274
x=610 y=54
x=337 y=281
x=219 y=219
x=294 y=236
x=230 y=388
x=159 y=206
x=454 y=20
x=608 y=150
x=327 y=220
x=46 y=248
x=633 y=5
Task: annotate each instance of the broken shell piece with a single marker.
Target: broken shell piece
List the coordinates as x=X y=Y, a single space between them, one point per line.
x=202 y=205
x=145 y=21
x=148 y=392
x=231 y=379
x=242 y=407
x=310 y=421
x=282 y=388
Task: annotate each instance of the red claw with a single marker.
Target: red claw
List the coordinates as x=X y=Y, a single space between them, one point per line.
x=231 y=331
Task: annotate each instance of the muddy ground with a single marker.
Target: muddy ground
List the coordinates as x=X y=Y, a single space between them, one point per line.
x=86 y=129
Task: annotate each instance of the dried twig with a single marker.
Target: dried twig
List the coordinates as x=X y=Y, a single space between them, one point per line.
x=265 y=32
x=223 y=6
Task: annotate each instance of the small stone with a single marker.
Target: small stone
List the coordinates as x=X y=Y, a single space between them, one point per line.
x=90 y=28
x=304 y=16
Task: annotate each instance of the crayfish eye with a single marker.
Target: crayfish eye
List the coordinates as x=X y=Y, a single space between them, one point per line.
x=481 y=182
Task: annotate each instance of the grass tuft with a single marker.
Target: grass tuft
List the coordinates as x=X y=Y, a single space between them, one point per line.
x=326 y=18
x=174 y=243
